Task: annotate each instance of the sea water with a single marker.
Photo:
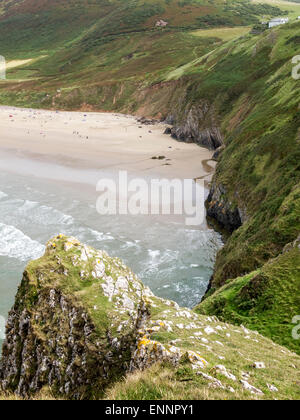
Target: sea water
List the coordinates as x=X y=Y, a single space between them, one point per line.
x=39 y=200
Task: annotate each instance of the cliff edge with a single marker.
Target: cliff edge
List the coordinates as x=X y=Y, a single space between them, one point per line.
x=84 y=326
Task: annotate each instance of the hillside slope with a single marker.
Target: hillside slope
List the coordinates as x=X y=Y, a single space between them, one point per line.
x=82 y=320
x=111 y=49
x=238 y=94
x=267 y=300
x=256 y=189
x=257 y=180
x=31 y=25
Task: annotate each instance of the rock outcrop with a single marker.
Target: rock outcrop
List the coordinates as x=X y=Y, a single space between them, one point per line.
x=67 y=327
x=222 y=210
x=196 y=124
x=82 y=320
x=210 y=137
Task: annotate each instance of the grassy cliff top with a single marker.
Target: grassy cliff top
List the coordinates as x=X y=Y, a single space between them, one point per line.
x=172 y=345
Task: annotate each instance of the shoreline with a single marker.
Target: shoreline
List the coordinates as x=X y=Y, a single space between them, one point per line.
x=100 y=141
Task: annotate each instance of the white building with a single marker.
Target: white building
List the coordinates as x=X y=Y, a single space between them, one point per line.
x=278 y=21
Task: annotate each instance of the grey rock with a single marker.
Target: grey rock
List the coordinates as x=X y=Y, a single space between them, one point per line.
x=222 y=210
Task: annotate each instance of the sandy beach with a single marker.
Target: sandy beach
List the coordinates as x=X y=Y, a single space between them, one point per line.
x=50 y=163
x=100 y=141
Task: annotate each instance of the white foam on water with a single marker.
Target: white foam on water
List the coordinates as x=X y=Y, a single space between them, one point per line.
x=15 y=244
x=3 y=195
x=42 y=214
x=154 y=253
x=100 y=236
x=19 y=213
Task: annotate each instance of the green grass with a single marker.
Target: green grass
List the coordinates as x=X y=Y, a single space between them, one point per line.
x=292 y=7
x=266 y=300
x=238 y=349
x=225 y=34
x=163 y=382
x=249 y=83
x=108 y=43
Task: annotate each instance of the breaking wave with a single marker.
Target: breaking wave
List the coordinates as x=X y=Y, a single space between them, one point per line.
x=15 y=244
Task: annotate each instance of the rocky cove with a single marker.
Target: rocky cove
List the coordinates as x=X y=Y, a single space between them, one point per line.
x=200 y=124
x=82 y=320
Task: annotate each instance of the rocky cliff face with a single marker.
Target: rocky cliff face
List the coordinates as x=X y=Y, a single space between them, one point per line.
x=192 y=121
x=220 y=208
x=82 y=320
x=197 y=124
x=52 y=336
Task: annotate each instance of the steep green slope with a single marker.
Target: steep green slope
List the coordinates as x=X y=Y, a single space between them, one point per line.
x=248 y=86
x=257 y=183
x=257 y=103
x=84 y=327
x=267 y=300
x=96 y=51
